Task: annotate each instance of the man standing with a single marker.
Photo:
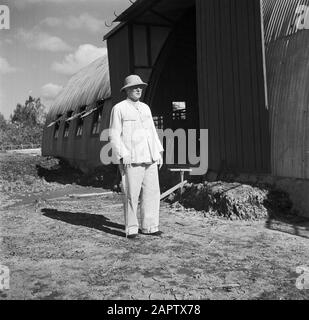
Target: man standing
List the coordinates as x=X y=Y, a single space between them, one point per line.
x=137 y=146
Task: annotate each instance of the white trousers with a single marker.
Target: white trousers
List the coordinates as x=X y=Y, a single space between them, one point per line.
x=141 y=180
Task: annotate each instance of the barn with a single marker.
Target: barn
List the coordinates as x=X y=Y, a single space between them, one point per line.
x=238 y=68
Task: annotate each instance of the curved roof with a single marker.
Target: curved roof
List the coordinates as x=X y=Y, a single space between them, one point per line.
x=86 y=87
x=283 y=18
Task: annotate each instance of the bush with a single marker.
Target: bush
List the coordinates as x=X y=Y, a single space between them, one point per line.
x=26 y=124
x=17 y=134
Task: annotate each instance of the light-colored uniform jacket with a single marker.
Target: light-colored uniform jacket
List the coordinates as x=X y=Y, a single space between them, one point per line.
x=133 y=133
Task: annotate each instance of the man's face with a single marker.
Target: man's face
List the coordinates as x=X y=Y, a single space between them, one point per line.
x=134 y=93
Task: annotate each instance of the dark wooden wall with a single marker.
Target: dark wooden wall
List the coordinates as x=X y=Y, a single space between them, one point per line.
x=231 y=84
x=134 y=48
x=119 y=57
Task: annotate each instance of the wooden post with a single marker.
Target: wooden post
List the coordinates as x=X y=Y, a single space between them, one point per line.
x=182 y=175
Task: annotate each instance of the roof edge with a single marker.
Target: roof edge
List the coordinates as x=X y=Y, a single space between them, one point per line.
x=135 y=9
x=115 y=29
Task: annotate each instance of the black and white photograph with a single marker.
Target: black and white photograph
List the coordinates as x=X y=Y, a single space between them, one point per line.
x=154 y=151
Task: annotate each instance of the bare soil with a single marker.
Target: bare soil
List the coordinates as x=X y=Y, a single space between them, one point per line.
x=70 y=248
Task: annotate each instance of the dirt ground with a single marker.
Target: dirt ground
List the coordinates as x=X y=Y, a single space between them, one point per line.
x=73 y=248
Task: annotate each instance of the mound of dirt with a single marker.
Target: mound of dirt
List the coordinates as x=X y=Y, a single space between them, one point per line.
x=235 y=201
x=22 y=174
x=101 y=177
x=19 y=174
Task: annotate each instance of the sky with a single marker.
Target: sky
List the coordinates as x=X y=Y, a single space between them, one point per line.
x=48 y=41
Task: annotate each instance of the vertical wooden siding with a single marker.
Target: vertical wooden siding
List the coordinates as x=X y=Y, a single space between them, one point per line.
x=133 y=49
x=147 y=44
x=119 y=56
x=287 y=56
x=231 y=84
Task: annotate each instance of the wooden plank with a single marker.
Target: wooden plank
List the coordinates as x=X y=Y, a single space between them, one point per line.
x=88 y=195
x=263 y=104
x=140 y=46
x=254 y=47
x=117 y=205
x=227 y=84
x=210 y=82
x=219 y=85
x=170 y=191
x=236 y=87
x=245 y=89
x=119 y=61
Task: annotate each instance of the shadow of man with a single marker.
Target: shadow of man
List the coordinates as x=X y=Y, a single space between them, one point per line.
x=93 y=221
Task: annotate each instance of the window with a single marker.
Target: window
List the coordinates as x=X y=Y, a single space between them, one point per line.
x=97 y=120
x=179 y=111
x=67 y=124
x=158 y=122
x=57 y=126
x=80 y=123
x=56 y=133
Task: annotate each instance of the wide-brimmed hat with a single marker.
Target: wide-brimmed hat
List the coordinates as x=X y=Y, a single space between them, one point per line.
x=133 y=80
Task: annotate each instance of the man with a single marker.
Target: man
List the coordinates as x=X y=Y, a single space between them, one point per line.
x=137 y=146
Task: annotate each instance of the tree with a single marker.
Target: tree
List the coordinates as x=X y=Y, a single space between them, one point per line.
x=32 y=113
x=26 y=124
x=3 y=130
x=3 y=123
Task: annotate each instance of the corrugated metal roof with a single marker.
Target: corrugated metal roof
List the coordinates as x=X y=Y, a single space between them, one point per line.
x=284 y=18
x=87 y=86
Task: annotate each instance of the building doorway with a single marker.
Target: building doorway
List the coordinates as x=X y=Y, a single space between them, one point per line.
x=174 y=90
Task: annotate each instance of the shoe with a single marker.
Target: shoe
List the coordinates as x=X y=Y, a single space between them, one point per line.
x=132 y=236
x=155 y=234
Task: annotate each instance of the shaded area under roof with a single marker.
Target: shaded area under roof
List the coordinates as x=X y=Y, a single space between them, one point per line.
x=153 y=12
x=86 y=87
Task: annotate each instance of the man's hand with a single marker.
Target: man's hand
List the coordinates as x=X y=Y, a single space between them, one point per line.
x=121 y=169
x=124 y=163
x=160 y=162
x=126 y=160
